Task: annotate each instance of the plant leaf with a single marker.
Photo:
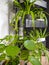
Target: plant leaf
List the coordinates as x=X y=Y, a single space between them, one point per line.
x=12 y=51
x=34 y=61
x=29 y=44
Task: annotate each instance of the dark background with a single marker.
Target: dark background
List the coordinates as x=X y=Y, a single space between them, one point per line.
x=47 y=39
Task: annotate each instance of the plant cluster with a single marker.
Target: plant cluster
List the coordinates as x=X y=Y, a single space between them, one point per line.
x=35 y=34
x=27 y=49
x=27 y=8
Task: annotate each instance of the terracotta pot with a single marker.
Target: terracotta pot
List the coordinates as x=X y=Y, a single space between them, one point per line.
x=29 y=63
x=22 y=62
x=44 y=60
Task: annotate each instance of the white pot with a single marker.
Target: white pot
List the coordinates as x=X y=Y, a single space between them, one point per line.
x=40 y=19
x=41 y=40
x=40 y=3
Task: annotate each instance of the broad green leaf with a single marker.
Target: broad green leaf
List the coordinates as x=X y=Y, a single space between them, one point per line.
x=2 y=47
x=29 y=44
x=34 y=61
x=24 y=54
x=12 y=51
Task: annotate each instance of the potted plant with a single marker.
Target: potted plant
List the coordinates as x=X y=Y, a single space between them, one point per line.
x=28 y=48
x=41 y=19
x=29 y=14
x=39 y=35
x=24 y=10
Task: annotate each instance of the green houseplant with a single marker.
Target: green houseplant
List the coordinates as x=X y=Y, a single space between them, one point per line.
x=38 y=48
x=25 y=10
x=40 y=16
x=39 y=34
x=27 y=49
x=8 y=51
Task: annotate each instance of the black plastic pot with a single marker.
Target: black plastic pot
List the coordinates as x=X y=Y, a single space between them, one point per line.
x=39 y=23
x=28 y=21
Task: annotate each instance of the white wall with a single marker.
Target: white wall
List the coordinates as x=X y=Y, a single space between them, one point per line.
x=3 y=18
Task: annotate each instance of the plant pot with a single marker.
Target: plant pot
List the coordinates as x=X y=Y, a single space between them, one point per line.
x=29 y=63
x=44 y=60
x=21 y=1
x=40 y=3
x=28 y=21
x=43 y=40
x=22 y=62
x=40 y=23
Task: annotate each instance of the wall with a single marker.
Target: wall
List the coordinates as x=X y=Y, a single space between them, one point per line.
x=3 y=18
